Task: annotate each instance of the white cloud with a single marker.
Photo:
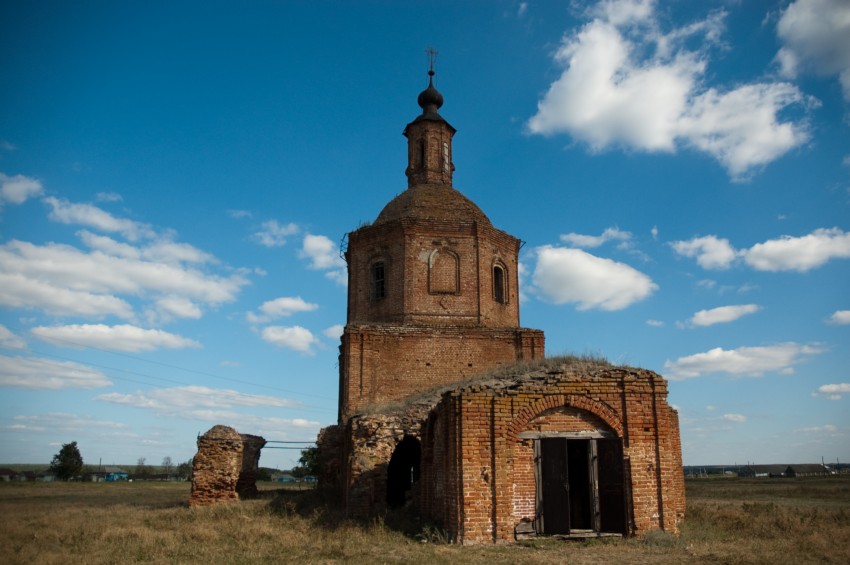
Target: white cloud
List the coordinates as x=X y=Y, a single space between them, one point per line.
x=294 y=337
x=63 y=280
x=722 y=314
x=786 y=253
x=9 y=340
x=62 y=421
x=655 y=323
x=239 y=214
x=740 y=418
x=324 y=255
x=832 y=391
x=799 y=253
x=273 y=234
x=815 y=35
x=44 y=374
x=751 y=361
x=321 y=251
x=625 y=83
x=710 y=251
x=113 y=338
x=590 y=241
x=18 y=189
x=87 y=215
x=170 y=307
x=841 y=317
x=826 y=428
x=108 y=197
x=334 y=332
x=280 y=308
x=19 y=291
x=193 y=397
x=565 y=276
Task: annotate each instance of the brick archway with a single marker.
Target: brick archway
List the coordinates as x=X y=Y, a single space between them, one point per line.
x=603 y=411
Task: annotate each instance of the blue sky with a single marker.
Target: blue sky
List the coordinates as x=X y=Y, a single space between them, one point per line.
x=176 y=179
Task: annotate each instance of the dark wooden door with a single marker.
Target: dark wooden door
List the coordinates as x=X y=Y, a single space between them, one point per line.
x=612 y=495
x=554 y=485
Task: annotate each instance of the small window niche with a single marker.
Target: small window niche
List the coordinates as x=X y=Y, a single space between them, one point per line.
x=443 y=272
x=377 y=281
x=500 y=284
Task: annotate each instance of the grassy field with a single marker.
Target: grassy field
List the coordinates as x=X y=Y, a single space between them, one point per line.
x=805 y=520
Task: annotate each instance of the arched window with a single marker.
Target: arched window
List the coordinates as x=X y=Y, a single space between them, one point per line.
x=377 y=281
x=500 y=291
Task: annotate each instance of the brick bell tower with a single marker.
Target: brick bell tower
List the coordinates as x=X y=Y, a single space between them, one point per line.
x=433 y=292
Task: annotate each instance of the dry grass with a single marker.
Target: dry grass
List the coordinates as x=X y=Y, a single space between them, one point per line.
x=729 y=521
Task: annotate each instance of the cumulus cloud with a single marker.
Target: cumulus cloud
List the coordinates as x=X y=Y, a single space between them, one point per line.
x=9 y=340
x=324 y=255
x=114 y=338
x=799 y=253
x=273 y=234
x=293 y=337
x=18 y=189
x=321 y=251
x=280 y=308
x=815 y=36
x=748 y=361
x=567 y=276
x=590 y=241
x=626 y=83
x=840 y=317
x=45 y=374
x=66 y=212
x=655 y=323
x=64 y=280
x=711 y=252
x=170 y=307
x=786 y=253
x=334 y=332
x=722 y=314
x=832 y=391
x=739 y=418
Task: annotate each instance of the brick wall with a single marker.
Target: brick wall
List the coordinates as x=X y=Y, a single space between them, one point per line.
x=474 y=440
x=385 y=363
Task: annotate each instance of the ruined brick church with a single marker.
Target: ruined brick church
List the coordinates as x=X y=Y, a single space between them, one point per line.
x=447 y=407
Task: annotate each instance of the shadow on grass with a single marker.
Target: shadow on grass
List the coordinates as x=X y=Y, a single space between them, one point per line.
x=324 y=511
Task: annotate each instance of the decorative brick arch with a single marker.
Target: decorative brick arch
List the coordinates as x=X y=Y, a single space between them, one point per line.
x=525 y=415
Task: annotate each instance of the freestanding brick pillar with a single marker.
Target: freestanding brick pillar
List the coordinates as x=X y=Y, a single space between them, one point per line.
x=216 y=467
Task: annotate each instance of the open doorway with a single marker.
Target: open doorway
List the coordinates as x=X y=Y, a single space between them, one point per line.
x=580 y=486
x=403 y=471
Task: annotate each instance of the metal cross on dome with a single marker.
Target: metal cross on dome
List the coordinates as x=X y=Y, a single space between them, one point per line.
x=432 y=57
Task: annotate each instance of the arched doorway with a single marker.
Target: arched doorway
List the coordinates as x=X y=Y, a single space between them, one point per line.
x=403 y=471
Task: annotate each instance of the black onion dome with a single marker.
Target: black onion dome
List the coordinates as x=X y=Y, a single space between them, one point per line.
x=430 y=99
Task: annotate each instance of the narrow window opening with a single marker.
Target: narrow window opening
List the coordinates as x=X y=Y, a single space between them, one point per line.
x=421 y=162
x=499 y=293
x=378 y=288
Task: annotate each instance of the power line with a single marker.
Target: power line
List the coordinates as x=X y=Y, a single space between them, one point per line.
x=179 y=368
x=172 y=381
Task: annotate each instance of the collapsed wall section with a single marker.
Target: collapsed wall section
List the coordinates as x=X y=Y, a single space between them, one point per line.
x=225 y=467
